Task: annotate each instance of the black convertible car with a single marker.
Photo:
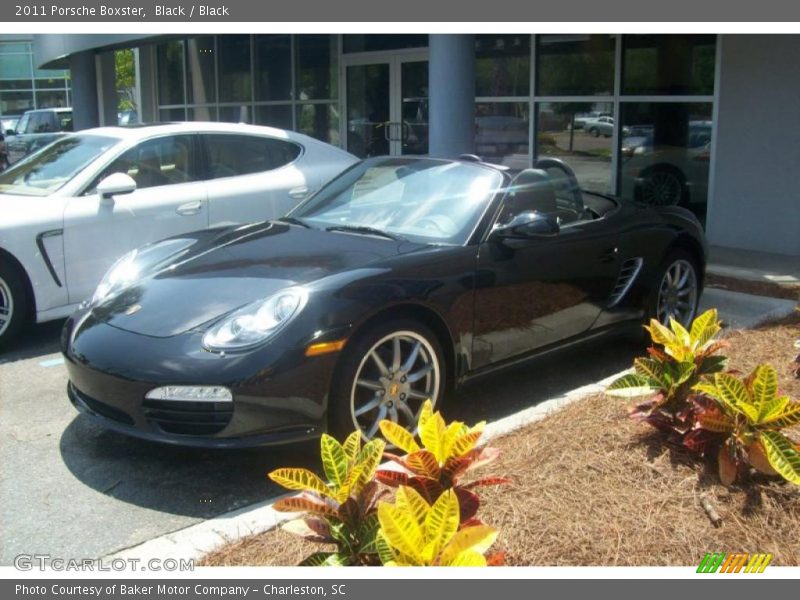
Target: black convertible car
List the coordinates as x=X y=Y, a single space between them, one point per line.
x=399 y=280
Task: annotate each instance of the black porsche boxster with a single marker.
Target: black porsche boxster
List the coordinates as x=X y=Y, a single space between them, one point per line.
x=396 y=282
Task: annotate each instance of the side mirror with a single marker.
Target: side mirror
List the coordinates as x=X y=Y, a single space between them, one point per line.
x=10 y=132
x=114 y=184
x=527 y=225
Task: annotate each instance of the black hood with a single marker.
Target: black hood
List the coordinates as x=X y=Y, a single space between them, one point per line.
x=229 y=268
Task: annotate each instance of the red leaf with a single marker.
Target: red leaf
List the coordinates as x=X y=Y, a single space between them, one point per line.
x=728 y=468
x=700 y=440
x=429 y=489
x=391 y=478
x=468 y=502
x=487 y=481
x=496 y=559
x=304 y=504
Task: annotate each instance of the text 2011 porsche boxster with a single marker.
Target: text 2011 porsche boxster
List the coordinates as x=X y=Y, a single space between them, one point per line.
x=400 y=279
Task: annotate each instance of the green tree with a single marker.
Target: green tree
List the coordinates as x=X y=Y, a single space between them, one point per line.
x=125 y=72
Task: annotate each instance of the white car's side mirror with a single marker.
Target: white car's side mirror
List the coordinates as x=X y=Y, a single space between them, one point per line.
x=114 y=184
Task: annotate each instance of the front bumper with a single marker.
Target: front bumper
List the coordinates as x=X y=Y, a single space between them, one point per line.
x=279 y=394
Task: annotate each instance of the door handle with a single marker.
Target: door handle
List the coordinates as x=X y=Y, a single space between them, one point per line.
x=190 y=208
x=299 y=193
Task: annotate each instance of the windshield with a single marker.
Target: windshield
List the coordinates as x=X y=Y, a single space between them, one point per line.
x=54 y=165
x=424 y=200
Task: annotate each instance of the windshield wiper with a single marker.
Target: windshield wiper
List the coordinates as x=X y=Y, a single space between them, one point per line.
x=366 y=230
x=294 y=221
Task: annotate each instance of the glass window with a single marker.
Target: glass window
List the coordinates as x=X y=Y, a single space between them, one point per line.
x=580 y=134
x=575 y=65
x=202 y=113
x=170 y=73
x=319 y=121
x=273 y=67
x=166 y=160
x=424 y=200
x=317 y=69
x=232 y=155
x=234 y=114
x=46 y=171
x=360 y=42
x=234 y=68
x=200 y=79
x=51 y=98
x=172 y=114
x=9 y=47
x=502 y=65
x=502 y=133
x=665 y=154
x=15 y=84
x=275 y=115
x=16 y=66
x=15 y=103
x=668 y=64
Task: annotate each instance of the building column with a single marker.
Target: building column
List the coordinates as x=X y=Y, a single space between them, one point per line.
x=145 y=80
x=451 y=83
x=107 y=88
x=85 y=112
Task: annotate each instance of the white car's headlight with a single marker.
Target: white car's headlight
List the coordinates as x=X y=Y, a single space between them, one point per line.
x=129 y=268
x=256 y=322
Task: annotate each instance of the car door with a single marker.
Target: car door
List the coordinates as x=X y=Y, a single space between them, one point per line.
x=253 y=178
x=532 y=293
x=169 y=199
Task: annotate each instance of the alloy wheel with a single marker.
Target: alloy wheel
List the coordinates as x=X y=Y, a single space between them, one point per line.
x=662 y=189
x=6 y=306
x=395 y=377
x=677 y=293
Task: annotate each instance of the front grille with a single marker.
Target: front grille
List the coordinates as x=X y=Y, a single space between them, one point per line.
x=627 y=275
x=103 y=409
x=188 y=418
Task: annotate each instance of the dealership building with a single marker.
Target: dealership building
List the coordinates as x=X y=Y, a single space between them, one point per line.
x=711 y=122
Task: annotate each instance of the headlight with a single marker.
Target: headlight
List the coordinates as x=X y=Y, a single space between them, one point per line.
x=130 y=267
x=256 y=322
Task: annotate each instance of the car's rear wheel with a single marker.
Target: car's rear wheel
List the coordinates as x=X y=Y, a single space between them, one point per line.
x=13 y=304
x=594 y=132
x=387 y=373
x=676 y=291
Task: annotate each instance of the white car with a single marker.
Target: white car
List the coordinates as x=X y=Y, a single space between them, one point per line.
x=70 y=210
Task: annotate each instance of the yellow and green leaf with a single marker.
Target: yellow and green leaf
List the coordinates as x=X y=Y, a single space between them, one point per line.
x=782 y=454
x=352 y=445
x=301 y=480
x=398 y=435
x=478 y=538
x=334 y=460
x=400 y=529
x=441 y=523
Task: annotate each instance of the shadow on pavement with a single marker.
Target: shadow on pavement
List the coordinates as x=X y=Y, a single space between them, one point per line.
x=184 y=481
x=36 y=340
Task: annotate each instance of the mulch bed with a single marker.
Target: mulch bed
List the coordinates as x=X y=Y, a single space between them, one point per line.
x=593 y=487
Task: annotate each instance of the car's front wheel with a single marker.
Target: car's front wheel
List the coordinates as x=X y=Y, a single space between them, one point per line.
x=676 y=291
x=13 y=303
x=386 y=373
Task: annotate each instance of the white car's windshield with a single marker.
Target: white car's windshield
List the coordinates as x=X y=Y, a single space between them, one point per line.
x=425 y=200
x=47 y=170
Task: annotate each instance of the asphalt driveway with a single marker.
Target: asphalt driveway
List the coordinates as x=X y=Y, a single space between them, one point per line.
x=70 y=489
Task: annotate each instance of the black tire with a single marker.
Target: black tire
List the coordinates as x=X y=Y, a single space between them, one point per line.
x=594 y=132
x=344 y=391
x=673 y=256
x=13 y=303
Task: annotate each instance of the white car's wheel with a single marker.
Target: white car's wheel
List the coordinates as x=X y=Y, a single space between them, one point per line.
x=13 y=303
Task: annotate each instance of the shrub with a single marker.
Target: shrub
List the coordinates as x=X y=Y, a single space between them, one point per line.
x=677 y=361
x=748 y=415
x=447 y=454
x=416 y=533
x=341 y=512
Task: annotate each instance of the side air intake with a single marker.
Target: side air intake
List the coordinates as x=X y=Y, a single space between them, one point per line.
x=627 y=275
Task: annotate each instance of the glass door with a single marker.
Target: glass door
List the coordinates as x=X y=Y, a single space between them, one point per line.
x=386 y=99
